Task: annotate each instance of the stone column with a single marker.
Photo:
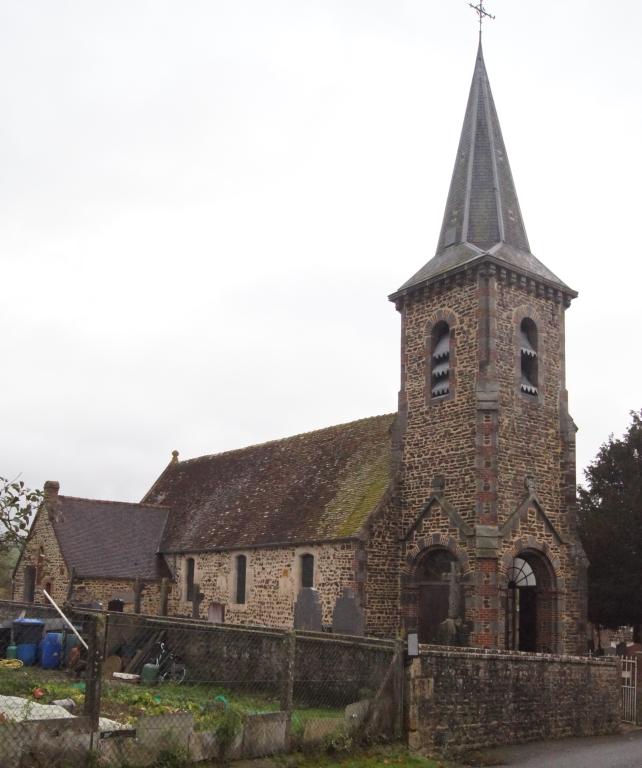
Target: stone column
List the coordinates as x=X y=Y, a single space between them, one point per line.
x=484 y=614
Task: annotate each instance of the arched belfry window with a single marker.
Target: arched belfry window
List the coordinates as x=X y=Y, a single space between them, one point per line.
x=440 y=360
x=528 y=357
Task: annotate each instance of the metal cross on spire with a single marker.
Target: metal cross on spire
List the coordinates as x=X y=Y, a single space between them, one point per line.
x=482 y=13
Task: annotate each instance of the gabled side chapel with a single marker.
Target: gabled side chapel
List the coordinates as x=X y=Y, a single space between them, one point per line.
x=454 y=517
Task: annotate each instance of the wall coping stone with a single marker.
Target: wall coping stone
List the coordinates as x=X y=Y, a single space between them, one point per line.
x=457 y=652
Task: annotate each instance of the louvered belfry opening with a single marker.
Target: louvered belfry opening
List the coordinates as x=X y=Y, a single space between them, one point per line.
x=528 y=357
x=440 y=360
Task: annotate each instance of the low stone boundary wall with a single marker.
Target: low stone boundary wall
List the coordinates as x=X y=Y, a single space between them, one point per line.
x=464 y=699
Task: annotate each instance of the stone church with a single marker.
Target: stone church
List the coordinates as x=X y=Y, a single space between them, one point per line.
x=454 y=517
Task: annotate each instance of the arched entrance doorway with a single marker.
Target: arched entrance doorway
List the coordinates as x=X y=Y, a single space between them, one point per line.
x=530 y=603
x=438 y=597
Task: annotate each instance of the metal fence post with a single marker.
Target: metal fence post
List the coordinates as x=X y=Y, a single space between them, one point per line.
x=287 y=683
x=638 y=688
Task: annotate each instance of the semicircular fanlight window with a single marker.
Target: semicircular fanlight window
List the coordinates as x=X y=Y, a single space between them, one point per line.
x=520 y=574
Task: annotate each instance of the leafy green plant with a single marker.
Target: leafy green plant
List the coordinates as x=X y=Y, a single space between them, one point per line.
x=229 y=724
x=172 y=754
x=340 y=741
x=18 y=505
x=172 y=757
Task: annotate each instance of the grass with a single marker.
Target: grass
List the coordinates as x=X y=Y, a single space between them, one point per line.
x=301 y=716
x=393 y=756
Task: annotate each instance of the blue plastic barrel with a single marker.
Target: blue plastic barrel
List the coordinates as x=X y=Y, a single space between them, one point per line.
x=28 y=631
x=27 y=653
x=51 y=650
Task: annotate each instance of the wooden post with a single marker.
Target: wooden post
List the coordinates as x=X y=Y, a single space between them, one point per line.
x=70 y=588
x=138 y=590
x=93 y=673
x=164 y=597
x=287 y=683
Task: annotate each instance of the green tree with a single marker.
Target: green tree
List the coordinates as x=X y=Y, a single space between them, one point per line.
x=8 y=559
x=610 y=523
x=18 y=505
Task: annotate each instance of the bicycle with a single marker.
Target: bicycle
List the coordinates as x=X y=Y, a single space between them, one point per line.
x=171 y=667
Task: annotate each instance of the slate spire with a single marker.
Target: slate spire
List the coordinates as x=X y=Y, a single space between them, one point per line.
x=482 y=207
x=482 y=216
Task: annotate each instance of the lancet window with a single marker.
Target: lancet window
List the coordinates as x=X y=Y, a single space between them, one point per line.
x=241 y=578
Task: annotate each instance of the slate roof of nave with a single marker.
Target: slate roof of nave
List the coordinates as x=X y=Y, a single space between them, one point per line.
x=316 y=486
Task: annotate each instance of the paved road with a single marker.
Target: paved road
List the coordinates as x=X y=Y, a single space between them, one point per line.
x=621 y=751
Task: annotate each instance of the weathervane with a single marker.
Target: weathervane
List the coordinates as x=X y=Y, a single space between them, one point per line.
x=482 y=13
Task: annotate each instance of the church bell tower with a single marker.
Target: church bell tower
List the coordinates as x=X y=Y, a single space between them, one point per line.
x=490 y=554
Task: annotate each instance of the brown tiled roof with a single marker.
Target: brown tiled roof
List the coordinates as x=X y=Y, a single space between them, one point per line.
x=318 y=486
x=110 y=539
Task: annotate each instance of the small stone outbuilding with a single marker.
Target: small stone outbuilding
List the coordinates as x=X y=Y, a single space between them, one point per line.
x=93 y=551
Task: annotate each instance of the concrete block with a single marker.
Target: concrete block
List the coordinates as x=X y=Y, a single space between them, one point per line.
x=264 y=734
x=159 y=731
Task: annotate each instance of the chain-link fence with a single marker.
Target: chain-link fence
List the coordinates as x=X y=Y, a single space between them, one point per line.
x=48 y=686
x=148 y=687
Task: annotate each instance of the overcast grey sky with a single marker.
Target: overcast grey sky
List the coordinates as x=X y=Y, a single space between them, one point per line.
x=204 y=205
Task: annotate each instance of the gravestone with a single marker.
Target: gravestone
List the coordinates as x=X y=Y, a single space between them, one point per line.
x=347 y=617
x=307 y=610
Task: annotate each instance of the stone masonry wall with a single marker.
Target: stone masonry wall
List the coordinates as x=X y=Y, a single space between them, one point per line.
x=529 y=427
x=104 y=590
x=382 y=607
x=535 y=439
x=500 y=463
x=439 y=439
x=467 y=699
x=439 y=434
x=273 y=579
x=43 y=552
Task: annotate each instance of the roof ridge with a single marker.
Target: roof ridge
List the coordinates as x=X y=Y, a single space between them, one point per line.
x=280 y=439
x=112 y=501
